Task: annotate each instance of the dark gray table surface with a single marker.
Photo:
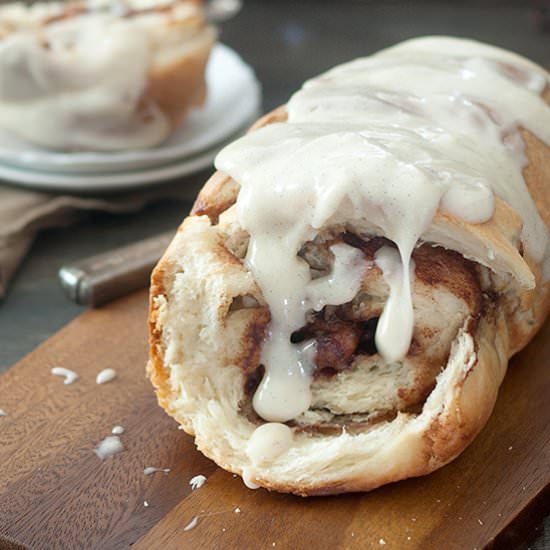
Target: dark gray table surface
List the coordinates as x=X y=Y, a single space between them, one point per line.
x=285 y=42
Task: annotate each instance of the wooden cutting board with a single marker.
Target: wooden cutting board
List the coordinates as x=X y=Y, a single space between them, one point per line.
x=56 y=493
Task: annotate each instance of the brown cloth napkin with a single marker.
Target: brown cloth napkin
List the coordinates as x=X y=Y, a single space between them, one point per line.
x=24 y=212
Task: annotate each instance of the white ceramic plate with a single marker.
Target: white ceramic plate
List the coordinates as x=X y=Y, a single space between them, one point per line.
x=233 y=100
x=110 y=182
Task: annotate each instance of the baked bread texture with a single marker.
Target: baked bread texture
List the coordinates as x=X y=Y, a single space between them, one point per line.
x=101 y=76
x=479 y=294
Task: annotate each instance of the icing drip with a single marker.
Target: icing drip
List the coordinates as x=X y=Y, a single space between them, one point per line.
x=358 y=148
x=268 y=442
x=395 y=326
x=247 y=479
x=276 y=399
x=69 y=375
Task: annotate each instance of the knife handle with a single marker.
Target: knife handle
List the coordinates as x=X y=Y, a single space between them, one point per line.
x=102 y=278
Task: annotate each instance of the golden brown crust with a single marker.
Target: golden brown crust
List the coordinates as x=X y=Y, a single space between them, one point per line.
x=158 y=375
x=217 y=195
x=449 y=433
x=178 y=87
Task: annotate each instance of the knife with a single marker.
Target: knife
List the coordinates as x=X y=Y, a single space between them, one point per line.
x=97 y=280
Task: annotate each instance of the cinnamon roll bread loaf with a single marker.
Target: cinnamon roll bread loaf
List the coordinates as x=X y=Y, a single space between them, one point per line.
x=339 y=309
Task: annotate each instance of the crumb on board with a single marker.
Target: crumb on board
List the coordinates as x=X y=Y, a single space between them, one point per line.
x=104 y=376
x=151 y=470
x=382 y=542
x=69 y=375
x=237 y=510
x=192 y=524
x=197 y=482
x=109 y=446
x=146 y=504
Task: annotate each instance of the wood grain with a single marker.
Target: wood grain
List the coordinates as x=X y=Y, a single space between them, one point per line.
x=54 y=490
x=475 y=502
x=56 y=493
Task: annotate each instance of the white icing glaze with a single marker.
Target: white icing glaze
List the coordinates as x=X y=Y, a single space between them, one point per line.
x=395 y=326
x=69 y=375
x=268 y=442
x=197 y=482
x=111 y=445
x=104 y=376
x=276 y=400
x=151 y=470
x=342 y=283
x=248 y=474
x=77 y=82
x=117 y=430
x=430 y=123
x=192 y=524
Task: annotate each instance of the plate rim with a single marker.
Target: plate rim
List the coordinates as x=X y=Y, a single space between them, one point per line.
x=85 y=184
x=110 y=162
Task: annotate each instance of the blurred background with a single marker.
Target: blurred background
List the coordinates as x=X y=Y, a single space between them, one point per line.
x=296 y=40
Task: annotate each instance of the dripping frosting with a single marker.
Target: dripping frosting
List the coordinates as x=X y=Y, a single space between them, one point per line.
x=360 y=145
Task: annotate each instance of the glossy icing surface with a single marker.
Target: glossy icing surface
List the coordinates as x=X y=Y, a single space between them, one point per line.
x=430 y=123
